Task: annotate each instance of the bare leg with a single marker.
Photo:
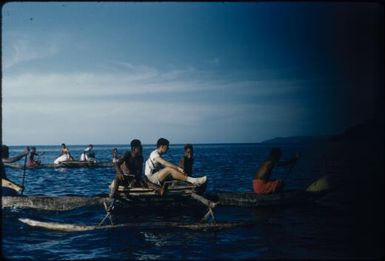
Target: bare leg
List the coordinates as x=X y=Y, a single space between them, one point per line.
x=165 y=172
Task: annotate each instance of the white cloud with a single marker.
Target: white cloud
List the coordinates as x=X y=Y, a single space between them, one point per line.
x=101 y=108
x=25 y=48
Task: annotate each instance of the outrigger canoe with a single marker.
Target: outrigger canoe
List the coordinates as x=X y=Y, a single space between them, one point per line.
x=66 y=164
x=175 y=193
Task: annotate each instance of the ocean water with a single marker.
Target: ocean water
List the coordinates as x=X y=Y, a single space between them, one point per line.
x=317 y=230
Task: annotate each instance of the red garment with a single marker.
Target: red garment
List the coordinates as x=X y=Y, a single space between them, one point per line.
x=266 y=186
x=33 y=163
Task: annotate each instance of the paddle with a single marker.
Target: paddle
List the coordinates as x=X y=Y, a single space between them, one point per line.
x=291 y=168
x=24 y=167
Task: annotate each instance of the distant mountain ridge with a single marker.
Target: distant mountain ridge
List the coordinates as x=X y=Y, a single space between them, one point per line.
x=295 y=139
x=370 y=129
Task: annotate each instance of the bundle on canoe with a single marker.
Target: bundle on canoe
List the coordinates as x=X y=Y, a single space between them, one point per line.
x=65 y=164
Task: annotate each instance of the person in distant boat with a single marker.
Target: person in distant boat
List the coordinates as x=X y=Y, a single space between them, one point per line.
x=65 y=155
x=129 y=168
x=158 y=169
x=88 y=154
x=115 y=155
x=261 y=182
x=31 y=162
x=6 y=159
x=5 y=154
x=186 y=163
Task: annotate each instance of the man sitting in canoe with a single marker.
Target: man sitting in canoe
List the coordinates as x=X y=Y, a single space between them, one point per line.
x=261 y=182
x=156 y=174
x=65 y=155
x=115 y=155
x=88 y=154
x=5 y=182
x=129 y=168
x=31 y=162
x=186 y=163
x=5 y=154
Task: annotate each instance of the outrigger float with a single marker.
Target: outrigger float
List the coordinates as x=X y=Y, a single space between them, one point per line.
x=65 y=164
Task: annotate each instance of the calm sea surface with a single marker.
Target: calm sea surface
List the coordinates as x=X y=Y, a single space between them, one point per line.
x=311 y=231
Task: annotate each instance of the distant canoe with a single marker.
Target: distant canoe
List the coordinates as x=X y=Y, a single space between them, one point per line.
x=67 y=164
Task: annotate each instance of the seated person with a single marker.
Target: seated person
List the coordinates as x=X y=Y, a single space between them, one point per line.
x=129 y=168
x=262 y=183
x=186 y=163
x=88 y=154
x=31 y=162
x=158 y=169
x=115 y=155
x=5 y=154
x=65 y=155
x=6 y=159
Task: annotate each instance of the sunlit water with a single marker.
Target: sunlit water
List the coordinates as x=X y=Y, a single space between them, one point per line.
x=304 y=231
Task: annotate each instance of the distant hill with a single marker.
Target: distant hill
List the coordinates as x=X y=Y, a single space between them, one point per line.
x=296 y=139
x=369 y=130
x=361 y=132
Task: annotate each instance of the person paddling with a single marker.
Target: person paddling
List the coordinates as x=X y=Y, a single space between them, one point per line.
x=31 y=162
x=5 y=154
x=261 y=182
x=158 y=169
x=5 y=182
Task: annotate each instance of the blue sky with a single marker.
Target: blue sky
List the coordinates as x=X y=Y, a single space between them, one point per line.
x=105 y=73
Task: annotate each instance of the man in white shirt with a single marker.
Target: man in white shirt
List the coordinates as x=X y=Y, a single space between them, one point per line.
x=158 y=169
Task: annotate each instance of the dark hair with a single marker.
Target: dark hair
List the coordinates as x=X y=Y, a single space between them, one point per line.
x=188 y=146
x=162 y=141
x=275 y=154
x=135 y=143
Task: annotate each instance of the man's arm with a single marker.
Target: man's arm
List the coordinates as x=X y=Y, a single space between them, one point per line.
x=168 y=164
x=119 y=172
x=16 y=158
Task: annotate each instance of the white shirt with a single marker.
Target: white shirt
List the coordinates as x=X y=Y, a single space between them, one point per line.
x=152 y=165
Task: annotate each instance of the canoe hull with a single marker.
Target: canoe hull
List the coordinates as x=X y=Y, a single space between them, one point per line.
x=154 y=201
x=250 y=199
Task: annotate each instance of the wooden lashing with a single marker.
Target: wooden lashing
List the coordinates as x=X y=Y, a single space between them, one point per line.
x=108 y=209
x=210 y=205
